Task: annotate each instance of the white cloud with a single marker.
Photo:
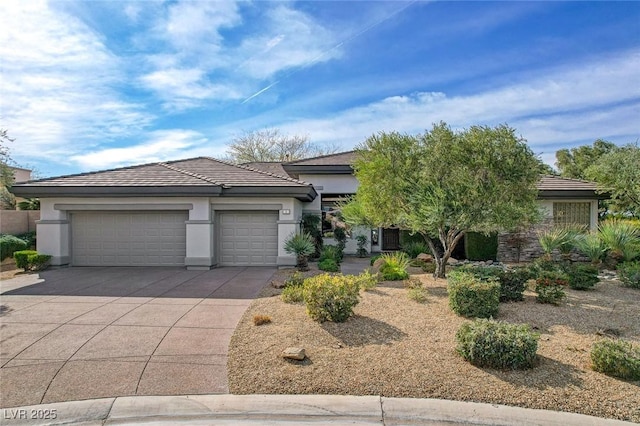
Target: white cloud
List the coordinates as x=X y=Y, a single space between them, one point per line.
x=57 y=78
x=161 y=145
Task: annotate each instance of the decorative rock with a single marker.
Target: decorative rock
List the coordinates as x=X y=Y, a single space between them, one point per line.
x=377 y=265
x=294 y=353
x=425 y=257
x=452 y=261
x=277 y=284
x=489 y=262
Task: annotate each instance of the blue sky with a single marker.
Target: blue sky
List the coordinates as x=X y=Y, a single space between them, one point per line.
x=88 y=85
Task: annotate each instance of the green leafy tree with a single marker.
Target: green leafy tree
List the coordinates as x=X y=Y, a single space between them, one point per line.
x=272 y=145
x=617 y=173
x=7 y=200
x=573 y=163
x=443 y=183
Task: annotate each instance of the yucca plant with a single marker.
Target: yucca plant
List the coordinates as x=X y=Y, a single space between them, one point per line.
x=302 y=245
x=553 y=239
x=591 y=246
x=621 y=239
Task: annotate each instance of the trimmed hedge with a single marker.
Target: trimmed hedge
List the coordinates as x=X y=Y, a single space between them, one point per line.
x=31 y=260
x=22 y=258
x=10 y=244
x=513 y=281
x=471 y=297
x=616 y=358
x=331 y=297
x=582 y=277
x=480 y=247
x=496 y=344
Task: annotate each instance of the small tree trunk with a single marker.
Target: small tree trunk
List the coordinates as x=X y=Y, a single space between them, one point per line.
x=302 y=263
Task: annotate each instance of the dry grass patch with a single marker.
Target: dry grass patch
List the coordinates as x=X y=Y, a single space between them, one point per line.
x=396 y=347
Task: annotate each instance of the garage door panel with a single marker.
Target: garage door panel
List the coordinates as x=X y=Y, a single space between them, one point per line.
x=248 y=238
x=128 y=238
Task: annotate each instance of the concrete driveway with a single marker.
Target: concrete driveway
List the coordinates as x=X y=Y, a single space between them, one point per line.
x=80 y=333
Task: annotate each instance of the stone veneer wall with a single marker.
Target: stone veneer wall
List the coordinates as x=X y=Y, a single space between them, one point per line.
x=521 y=246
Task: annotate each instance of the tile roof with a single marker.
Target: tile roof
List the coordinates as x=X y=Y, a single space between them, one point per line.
x=557 y=183
x=339 y=159
x=201 y=171
x=274 y=167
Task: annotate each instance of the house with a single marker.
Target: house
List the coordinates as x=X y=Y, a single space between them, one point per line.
x=202 y=212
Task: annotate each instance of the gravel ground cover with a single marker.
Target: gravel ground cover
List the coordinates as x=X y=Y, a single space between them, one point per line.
x=396 y=347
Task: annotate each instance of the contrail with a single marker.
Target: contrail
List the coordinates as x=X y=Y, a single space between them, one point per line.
x=324 y=53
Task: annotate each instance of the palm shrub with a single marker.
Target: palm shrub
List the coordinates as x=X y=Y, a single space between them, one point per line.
x=414 y=248
x=394 y=267
x=621 y=239
x=616 y=358
x=591 y=246
x=331 y=297
x=497 y=344
x=302 y=246
x=29 y=204
x=552 y=239
x=629 y=273
x=472 y=297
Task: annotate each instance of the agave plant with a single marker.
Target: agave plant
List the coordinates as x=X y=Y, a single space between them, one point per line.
x=591 y=246
x=621 y=239
x=553 y=239
x=302 y=245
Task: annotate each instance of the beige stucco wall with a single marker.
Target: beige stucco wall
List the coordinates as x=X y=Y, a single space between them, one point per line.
x=16 y=222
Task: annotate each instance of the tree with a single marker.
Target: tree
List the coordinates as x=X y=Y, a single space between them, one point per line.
x=271 y=145
x=574 y=162
x=443 y=183
x=617 y=173
x=7 y=200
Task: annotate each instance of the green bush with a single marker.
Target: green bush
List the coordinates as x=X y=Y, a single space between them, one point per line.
x=293 y=294
x=22 y=258
x=330 y=297
x=328 y=265
x=362 y=241
x=367 y=281
x=417 y=294
x=496 y=344
x=395 y=266
x=340 y=236
x=10 y=244
x=414 y=248
x=330 y=252
x=472 y=297
x=582 y=277
x=616 y=358
x=480 y=247
x=29 y=238
x=38 y=262
x=629 y=273
x=550 y=287
x=513 y=283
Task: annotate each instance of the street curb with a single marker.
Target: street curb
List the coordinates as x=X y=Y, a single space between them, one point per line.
x=298 y=409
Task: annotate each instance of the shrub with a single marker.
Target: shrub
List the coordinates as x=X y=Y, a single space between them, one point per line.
x=550 y=287
x=29 y=238
x=374 y=258
x=412 y=282
x=295 y=279
x=418 y=294
x=362 y=241
x=480 y=247
x=553 y=239
x=22 y=258
x=414 y=248
x=513 y=282
x=582 y=277
x=621 y=238
x=38 y=262
x=9 y=245
x=496 y=344
x=429 y=268
x=616 y=358
x=330 y=252
x=629 y=273
x=328 y=265
x=367 y=281
x=331 y=297
x=261 y=319
x=311 y=225
x=472 y=297
x=340 y=236
x=303 y=246
x=293 y=294
x=591 y=246
x=395 y=266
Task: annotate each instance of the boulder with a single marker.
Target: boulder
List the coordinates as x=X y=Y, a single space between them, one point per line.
x=297 y=354
x=452 y=261
x=424 y=257
x=377 y=265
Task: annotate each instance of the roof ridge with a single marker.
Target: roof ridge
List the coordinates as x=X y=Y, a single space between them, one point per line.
x=319 y=156
x=192 y=174
x=251 y=169
x=567 y=178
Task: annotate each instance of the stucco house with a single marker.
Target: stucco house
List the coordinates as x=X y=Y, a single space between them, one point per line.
x=202 y=212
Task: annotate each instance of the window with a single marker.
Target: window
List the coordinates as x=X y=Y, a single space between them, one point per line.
x=330 y=212
x=572 y=214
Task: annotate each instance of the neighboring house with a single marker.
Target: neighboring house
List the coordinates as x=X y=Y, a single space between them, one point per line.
x=20 y=174
x=203 y=213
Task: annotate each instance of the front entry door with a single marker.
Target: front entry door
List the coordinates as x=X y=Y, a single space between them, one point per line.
x=390 y=239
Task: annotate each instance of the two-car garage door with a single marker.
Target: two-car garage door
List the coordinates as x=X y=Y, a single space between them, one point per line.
x=116 y=238
x=122 y=238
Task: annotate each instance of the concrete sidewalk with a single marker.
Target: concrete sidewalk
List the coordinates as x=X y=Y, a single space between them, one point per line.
x=287 y=409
